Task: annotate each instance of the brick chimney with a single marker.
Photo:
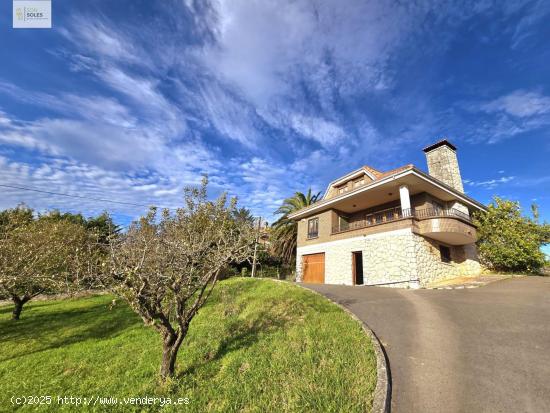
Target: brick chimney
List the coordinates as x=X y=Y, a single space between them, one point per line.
x=443 y=163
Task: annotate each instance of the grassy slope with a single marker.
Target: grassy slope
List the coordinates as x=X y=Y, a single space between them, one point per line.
x=257 y=346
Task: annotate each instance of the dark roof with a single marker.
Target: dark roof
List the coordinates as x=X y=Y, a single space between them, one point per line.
x=438 y=144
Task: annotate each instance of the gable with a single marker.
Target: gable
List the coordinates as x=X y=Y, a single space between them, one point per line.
x=351 y=181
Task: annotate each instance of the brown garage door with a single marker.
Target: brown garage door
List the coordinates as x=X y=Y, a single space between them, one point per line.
x=313 y=266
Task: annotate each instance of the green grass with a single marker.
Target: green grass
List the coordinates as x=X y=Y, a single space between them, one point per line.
x=257 y=346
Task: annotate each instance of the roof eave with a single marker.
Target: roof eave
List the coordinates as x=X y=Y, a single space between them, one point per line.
x=318 y=205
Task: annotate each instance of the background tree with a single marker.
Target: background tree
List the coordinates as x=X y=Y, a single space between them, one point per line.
x=15 y=216
x=166 y=267
x=285 y=230
x=40 y=256
x=509 y=241
x=244 y=215
x=102 y=225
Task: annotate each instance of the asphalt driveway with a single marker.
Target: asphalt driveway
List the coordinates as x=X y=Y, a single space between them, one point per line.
x=473 y=350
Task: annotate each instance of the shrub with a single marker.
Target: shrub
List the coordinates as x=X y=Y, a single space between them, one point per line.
x=509 y=241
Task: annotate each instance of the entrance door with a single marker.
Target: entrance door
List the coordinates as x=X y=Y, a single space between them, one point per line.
x=313 y=268
x=357 y=268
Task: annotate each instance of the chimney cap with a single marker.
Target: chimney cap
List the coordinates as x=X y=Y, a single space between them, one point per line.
x=438 y=144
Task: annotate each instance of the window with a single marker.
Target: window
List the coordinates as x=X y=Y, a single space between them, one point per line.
x=445 y=253
x=313 y=228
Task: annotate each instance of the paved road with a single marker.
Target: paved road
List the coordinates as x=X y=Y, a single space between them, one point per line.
x=474 y=350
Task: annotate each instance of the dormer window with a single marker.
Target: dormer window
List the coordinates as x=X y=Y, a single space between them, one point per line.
x=359 y=182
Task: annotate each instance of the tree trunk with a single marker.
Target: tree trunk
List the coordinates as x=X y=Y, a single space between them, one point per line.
x=170 y=347
x=18 y=306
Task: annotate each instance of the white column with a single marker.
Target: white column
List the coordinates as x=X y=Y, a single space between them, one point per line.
x=405 y=198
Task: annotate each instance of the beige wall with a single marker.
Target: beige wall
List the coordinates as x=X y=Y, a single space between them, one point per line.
x=454 y=227
x=329 y=218
x=325 y=228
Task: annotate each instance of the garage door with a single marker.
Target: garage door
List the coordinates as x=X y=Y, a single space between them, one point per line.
x=313 y=267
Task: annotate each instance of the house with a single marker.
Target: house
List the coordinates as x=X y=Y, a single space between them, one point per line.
x=400 y=228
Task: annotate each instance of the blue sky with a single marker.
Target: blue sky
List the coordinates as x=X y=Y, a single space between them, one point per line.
x=133 y=100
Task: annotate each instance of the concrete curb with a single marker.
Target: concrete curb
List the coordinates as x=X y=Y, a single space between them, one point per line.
x=382 y=392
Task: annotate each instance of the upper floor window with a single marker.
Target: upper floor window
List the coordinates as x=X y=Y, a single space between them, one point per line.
x=359 y=182
x=313 y=228
x=445 y=253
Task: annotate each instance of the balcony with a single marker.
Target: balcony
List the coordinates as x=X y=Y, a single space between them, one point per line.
x=447 y=225
x=441 y=212
x=376 y=218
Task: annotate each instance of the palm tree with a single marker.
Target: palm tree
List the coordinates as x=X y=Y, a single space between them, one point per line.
x=285 y=230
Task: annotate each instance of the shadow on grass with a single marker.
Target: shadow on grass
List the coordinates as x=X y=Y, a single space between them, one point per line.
x=244 y=333
x=8 y=308
x=241 y=334
x=34 y=305
x=54 y=329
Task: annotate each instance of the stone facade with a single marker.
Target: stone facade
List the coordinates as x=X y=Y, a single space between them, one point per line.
x=443 y=165
x=398 y=258
x=430 y=267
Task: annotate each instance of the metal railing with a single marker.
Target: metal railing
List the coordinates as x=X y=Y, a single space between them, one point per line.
x=441 y=212
x=393 y=214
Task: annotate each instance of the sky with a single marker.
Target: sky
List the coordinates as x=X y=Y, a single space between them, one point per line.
x=132 y=101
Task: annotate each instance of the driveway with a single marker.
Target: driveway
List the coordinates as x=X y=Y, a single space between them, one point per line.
x=485 y=349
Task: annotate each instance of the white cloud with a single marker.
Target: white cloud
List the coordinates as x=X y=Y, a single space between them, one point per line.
x=537 y=13
x=520 y=103
x=325 y=132
x=507 y=116
x=101 y=39
x=491 y=183
x=233 y=118
x=69 y=177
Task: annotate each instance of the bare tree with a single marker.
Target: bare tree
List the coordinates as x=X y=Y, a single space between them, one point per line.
x=166 y=266
x=41 y=257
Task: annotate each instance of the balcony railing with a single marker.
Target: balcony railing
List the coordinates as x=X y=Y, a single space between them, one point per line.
x=441 y=212
x=393 y=214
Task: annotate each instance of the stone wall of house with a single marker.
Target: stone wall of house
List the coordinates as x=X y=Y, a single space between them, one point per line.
x=430 y=268
x=397 y=258
x=391 y=260
x=467 y=262
x=388 y=257
x=443 y=165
